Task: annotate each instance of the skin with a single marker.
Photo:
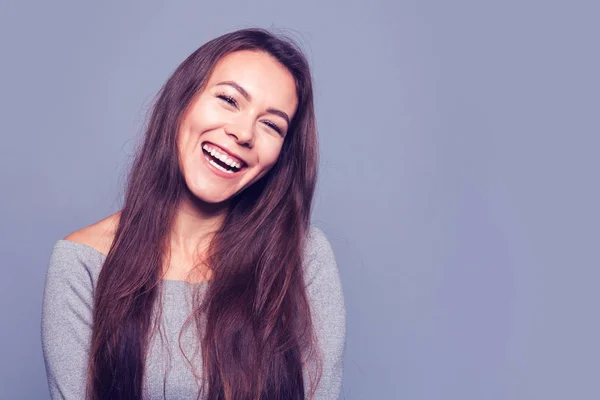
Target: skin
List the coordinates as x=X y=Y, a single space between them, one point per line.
x=252 y=126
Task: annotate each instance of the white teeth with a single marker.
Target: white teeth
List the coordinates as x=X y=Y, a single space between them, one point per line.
x=221 y=168
x=222 y=157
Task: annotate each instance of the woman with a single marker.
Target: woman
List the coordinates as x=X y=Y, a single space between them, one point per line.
x=210 y=282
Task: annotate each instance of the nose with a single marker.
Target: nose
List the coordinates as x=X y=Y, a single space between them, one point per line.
x=243 y=131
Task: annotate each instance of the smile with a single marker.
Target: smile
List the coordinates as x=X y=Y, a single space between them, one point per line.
x=221 y=160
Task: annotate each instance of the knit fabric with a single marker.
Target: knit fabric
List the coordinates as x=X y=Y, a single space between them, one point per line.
x=66 y=328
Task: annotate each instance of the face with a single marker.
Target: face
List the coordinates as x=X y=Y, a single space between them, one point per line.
x=232 y=133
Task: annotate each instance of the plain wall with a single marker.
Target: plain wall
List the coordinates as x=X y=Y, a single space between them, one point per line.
x=458 y=182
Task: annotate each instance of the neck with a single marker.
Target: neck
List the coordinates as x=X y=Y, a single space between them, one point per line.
x=195 y=224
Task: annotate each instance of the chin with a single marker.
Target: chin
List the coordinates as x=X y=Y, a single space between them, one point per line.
x=207 y=195
x=211 y=197
x=201 y=190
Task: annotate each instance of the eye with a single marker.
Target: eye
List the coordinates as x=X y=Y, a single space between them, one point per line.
x=228 y=99
x=274 y=127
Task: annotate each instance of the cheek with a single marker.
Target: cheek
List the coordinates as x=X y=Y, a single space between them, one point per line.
x=271 y=155
x=204 y=116
x=268 y=158
x=185 y=143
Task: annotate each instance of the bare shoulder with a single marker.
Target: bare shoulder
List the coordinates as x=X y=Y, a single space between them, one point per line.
x=98 y=235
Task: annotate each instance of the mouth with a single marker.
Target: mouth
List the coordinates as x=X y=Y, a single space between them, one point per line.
x=221 y=160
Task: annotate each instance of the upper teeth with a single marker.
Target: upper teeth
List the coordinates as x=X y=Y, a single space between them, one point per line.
x=223 y=157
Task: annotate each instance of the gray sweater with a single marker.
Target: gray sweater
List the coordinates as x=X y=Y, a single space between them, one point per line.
x=67 y=323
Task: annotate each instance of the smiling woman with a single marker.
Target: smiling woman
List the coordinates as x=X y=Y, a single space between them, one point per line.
x=210 y=281
x=242 y=115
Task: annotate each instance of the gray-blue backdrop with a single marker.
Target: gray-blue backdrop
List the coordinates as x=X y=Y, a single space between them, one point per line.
x=459 y=175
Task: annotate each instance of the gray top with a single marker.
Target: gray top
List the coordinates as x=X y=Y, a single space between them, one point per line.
x=67 y=322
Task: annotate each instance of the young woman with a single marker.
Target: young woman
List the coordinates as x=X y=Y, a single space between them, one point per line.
x=210 y=282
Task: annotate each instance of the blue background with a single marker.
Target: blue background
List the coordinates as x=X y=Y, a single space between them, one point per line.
x=458 y=183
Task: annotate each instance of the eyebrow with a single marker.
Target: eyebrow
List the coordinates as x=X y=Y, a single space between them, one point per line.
x=247 y=96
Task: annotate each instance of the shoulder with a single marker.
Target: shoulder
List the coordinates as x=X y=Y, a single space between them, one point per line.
x=77 y=259
x=316 y=237
x=317 y=244
x=99 y=235
x=319 y=258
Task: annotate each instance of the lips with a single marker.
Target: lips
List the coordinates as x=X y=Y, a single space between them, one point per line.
x=221 y=169
x=234 y=157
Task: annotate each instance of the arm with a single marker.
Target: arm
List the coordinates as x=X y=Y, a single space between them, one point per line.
x=326 y=300
x=67 y=321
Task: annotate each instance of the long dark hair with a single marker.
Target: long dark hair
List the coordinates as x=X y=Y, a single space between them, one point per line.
x=257 y=331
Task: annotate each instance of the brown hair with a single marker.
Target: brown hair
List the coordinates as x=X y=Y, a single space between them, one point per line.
x=258 y=333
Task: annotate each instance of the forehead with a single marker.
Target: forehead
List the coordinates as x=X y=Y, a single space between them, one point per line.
x=261 y=75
